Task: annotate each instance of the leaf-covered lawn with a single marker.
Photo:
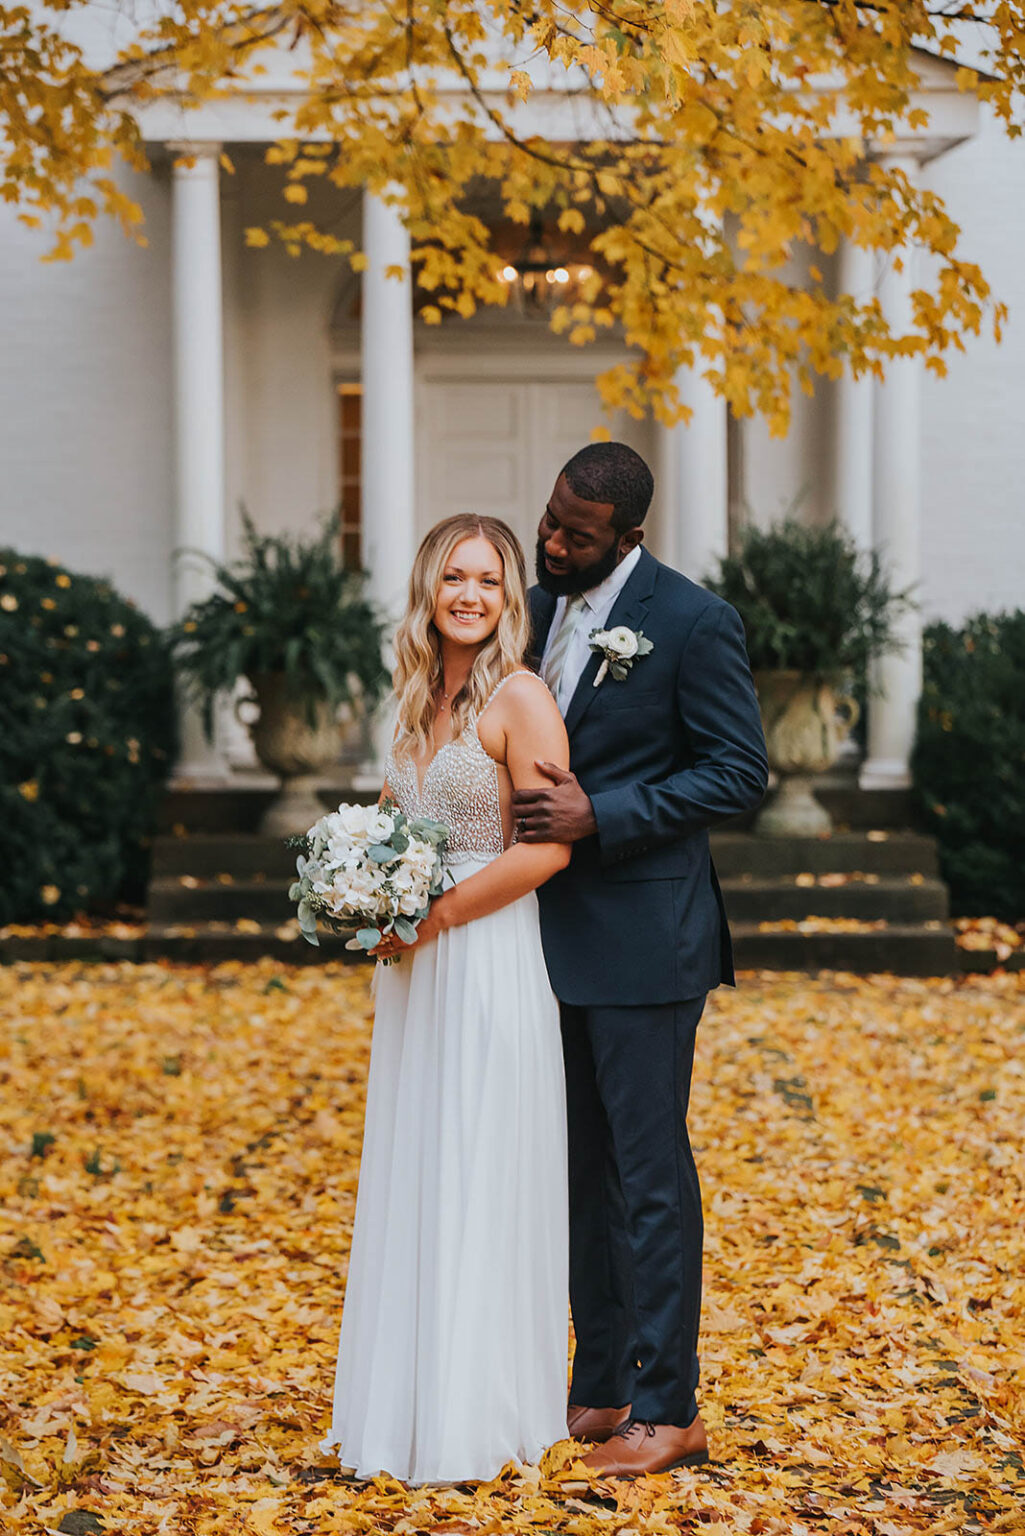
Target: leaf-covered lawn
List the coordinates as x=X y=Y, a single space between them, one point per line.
x=179 y=1162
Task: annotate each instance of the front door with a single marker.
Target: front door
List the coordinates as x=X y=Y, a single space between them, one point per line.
x=495 y=447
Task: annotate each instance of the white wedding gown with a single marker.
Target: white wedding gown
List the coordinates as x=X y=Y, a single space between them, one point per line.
x=452 y=1357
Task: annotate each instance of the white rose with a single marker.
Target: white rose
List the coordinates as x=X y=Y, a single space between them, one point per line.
x=622 y=642
x=352 y=819
x=380 y=826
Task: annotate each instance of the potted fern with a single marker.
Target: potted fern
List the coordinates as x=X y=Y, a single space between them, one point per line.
x=816 y=612
x=292 y=620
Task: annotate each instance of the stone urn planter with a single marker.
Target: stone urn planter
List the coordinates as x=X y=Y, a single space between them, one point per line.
x=805 y=721
x=288 y=744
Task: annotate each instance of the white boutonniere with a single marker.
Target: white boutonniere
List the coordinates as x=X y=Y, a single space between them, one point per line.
x=619 y=649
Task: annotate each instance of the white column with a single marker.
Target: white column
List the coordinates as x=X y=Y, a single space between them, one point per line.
x=852 y=463
x=198 y=353
x=388 y=473
x=897 y=532
x=389 y=516
x=692 y=480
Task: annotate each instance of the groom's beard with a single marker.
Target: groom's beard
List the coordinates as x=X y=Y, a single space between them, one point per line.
x=574 y=581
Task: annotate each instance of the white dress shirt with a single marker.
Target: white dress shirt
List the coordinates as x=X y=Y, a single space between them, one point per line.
x=599 y=603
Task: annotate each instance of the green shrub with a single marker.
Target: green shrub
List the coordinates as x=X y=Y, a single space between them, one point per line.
x=288 y=605
x=810 y=601
x=87 y=725
x=969 y=760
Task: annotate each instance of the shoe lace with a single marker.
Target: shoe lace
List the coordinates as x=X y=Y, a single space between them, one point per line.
x=628 y=1426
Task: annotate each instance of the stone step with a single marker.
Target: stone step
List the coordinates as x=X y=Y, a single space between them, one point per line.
x=898 y=899
x=243 y=855
x=180 y=899
x=851 y=808
x=878 y=852
x=209 y=943
x=900 y=950
x=238 y=806
x=206 y=855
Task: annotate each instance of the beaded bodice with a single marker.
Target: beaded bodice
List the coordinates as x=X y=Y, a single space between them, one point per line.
x=460 y=788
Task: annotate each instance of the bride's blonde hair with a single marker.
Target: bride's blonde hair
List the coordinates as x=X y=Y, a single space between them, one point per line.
x=418 y=670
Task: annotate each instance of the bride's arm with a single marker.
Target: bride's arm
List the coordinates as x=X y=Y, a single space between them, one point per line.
x=523 y=726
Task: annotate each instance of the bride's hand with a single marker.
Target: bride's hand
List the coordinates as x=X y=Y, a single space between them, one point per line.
x=427 y=930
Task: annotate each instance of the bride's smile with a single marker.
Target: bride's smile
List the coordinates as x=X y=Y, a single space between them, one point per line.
x=472 y=593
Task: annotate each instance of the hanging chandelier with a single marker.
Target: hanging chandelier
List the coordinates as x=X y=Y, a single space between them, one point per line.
x=538 y=280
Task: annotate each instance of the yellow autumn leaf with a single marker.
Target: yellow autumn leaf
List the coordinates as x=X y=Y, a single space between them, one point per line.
x=520 y=84
x=864 y=1256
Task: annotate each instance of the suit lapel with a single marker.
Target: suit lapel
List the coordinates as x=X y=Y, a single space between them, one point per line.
x=629 y=608
x=542 y=612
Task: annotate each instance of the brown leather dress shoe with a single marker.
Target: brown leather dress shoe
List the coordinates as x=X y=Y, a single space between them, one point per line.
x=638 y=1447
x=595 y=1424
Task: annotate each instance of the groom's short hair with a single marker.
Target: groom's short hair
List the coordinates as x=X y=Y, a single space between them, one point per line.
x=614 y=473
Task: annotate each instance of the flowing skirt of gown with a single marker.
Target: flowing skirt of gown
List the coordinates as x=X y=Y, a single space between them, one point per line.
x=453 y=1350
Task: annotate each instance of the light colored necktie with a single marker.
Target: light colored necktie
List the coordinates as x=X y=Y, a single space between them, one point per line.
x=555 y=661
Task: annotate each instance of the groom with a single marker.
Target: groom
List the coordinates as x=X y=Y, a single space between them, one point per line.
x=635 y=935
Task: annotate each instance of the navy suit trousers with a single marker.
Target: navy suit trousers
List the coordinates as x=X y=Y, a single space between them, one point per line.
x=635 y=1208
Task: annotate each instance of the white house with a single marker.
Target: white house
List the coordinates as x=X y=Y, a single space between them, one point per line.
x=147 y=393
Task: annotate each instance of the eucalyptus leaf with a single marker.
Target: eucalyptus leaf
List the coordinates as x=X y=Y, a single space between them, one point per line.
x=368 y=938
x=381 y=853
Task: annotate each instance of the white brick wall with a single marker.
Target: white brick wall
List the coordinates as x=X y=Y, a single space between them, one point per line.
x=85 y=403
x=973 y=422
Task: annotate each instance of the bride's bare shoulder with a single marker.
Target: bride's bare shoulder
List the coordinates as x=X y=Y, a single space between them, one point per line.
x=523 y=723
x=522 y=695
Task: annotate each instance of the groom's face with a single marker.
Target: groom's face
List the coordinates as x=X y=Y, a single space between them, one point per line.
x=577 y=546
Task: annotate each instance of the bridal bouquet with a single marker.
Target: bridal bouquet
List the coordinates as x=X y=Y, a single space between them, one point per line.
x=368 y=867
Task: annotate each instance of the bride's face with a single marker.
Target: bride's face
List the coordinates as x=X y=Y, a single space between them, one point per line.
x=472 y=593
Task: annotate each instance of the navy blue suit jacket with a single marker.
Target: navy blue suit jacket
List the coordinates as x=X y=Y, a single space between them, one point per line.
x=637 y=916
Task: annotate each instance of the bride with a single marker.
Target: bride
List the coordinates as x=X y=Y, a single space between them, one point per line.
x=452 y=1357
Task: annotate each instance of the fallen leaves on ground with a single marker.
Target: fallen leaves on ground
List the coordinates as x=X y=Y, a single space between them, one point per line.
x=823 y=925
x=179 y=1164
x=985 y=933
x=129 y=924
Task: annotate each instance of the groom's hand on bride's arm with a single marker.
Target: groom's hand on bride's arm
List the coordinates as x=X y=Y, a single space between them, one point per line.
x=558 y=813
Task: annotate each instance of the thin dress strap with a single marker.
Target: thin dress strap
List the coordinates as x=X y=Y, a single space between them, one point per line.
x=520 y=672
